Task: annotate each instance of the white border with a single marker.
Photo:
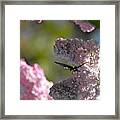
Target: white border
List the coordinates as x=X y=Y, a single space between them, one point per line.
x=13 y=15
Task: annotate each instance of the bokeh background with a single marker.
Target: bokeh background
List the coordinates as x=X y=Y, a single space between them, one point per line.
x=37 y=41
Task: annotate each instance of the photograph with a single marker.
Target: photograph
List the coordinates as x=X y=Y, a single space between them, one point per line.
x=59 y=59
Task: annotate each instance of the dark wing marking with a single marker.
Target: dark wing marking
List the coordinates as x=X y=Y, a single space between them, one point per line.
x=76 y=67
x=65 y=65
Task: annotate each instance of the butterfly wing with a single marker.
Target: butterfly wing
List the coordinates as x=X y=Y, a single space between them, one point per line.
x=76 y=67
x=65 y=65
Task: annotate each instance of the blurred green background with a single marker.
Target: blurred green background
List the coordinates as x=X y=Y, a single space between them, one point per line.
x=37 y=41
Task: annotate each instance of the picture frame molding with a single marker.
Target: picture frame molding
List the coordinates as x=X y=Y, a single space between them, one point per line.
x=117 y=56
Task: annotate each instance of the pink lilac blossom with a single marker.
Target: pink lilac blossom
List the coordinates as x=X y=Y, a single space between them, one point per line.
x=84 y=25
x=85 y=82
x=33 y=83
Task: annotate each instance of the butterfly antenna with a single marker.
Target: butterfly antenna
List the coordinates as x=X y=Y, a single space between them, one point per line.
x=80 y=65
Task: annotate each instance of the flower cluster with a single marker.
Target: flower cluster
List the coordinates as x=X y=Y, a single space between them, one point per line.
x=87 y=77
x=33 y=84
x=84 y=25
x=67 y=89
x=75 y=88
x=77 y=51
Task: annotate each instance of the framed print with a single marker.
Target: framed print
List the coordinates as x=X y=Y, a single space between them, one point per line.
x=60 y=60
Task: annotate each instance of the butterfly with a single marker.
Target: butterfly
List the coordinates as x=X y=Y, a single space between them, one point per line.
x=71 y=68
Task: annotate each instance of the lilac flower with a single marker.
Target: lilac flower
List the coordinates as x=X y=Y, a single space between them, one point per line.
x=76 y=51
x=33 y=83
x=67 y=89
x=86 y=78
x=84 y=25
